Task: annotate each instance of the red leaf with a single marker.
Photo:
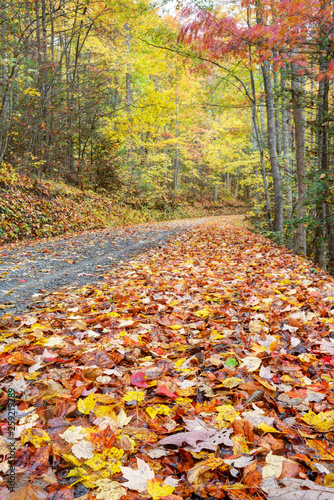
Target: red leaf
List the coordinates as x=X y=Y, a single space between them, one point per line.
x=138 y=379
x=162 y=389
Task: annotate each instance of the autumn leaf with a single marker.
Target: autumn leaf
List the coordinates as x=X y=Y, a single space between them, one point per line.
x=37 y=437
x=87 y=405
x=108 y=490
x=158 y=489
x=323 y=421
x=137 y=478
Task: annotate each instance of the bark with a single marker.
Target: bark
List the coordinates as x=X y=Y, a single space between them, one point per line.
x=275 y=168
x=320 y=255
x=237 y=184
x=215 y=193
x=258 y=140
x=298 y=116
x=285 y=144
x=277 y=119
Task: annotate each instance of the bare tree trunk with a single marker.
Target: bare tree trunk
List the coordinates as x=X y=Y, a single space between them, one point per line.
x=277 y=124
x=320 y=256
x=258 y=140
x=285 y=144
x=298 y=117
x=275 y=169
x=215 y=193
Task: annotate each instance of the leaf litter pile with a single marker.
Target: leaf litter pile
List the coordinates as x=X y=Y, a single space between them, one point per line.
x=201 y=370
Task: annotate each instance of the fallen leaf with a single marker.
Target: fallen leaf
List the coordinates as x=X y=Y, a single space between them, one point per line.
x=137 y=478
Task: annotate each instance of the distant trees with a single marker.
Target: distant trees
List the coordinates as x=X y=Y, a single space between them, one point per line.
x=85 y=97
x=288 y=44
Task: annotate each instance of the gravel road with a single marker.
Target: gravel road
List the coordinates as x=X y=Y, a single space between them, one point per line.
x=29 y=271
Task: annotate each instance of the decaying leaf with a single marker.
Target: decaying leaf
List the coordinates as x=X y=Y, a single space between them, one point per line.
x=83 y=449
x=200 y=440
x=137 y=478
x=273 y=467
x=251 y=363
x=300 y=489
x=109 y=490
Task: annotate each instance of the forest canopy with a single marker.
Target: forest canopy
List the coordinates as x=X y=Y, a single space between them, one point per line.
x=162 y=102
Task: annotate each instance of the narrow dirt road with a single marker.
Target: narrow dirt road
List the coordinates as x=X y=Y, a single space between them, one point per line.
x=28 y=272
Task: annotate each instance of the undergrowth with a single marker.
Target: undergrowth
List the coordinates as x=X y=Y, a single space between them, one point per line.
x=31 y=209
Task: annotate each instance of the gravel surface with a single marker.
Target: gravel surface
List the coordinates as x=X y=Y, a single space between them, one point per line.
x=29 y=271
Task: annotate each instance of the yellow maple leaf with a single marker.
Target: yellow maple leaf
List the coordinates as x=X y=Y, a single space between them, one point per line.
x=36 y=436
x=105 y=411
x=323 y=421
x=158 y=489
x=134 y=396
x=226 y=413
x=86 y=405
x=203 y=313
x=155 y=410
x=108 y=461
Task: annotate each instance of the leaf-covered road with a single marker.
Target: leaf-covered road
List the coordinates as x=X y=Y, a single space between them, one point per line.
x=203 y=369
x=29 y=271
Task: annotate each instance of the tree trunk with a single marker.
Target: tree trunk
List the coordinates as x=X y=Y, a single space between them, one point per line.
x=258 y=140
x=275 y=169
x=277 y=120
x=320 y=256
x=298 y=117
x=215 y=193
x=285 y=144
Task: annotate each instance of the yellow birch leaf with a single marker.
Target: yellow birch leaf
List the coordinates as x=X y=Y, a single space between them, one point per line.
x=104 y=398
x=108 y=462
